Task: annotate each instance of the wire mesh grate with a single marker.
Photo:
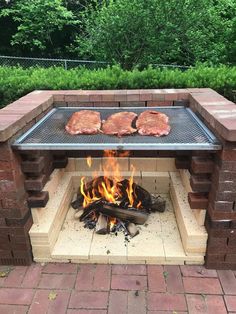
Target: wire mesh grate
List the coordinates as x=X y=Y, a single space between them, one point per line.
x=187 y=132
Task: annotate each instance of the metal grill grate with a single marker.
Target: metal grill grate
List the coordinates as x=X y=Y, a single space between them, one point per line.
x=187 y=133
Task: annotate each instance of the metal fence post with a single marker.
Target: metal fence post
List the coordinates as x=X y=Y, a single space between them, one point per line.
x=65 y=64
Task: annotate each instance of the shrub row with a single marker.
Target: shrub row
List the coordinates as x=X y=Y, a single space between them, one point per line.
x=16 y=82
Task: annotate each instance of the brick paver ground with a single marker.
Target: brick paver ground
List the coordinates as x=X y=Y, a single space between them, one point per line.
x=116 y=289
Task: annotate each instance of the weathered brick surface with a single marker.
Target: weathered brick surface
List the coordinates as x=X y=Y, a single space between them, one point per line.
x=223 y=206
x=38 y=200
x=122 y=282
x=197 y=200
x=202 y=285
x=202 y=165
x=59 y=163
x=15 y=243
x=182 y=162
x=132 y=104
x=6 y=153
x=159 y=103
x=221 y=248
x=193 y=290
x=22 y=114
x=89 y=300
x=57 y=281
x=200 y=183
x=35 y=184
x=33 y=166
x=228 y=196
x=206 y=304
x=42 y=303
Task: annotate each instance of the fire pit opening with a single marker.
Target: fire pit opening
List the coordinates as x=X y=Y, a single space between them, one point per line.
x=120 y=207
x=187 y=180
x=111 y=203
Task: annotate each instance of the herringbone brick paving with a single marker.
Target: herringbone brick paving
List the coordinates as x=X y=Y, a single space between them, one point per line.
x=116 y=289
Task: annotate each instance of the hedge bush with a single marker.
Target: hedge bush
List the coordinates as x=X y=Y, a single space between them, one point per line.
x=16 y=81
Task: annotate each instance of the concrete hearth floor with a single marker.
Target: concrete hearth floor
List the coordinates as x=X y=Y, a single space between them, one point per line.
x=116 y=289
x=159 y=242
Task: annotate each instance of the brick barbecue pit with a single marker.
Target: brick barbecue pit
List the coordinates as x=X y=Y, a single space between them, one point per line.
x=213 y=174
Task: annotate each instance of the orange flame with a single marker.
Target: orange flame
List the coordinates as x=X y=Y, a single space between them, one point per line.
x=129 y=190
x=139 y=204
x=106 y=193
x=89 y=161
x=108 y=188
x=112 y=223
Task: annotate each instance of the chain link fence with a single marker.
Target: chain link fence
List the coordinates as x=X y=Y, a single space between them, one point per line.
x=67 y=64
x=46 y=63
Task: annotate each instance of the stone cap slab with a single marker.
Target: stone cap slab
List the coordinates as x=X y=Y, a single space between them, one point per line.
x=219 y=112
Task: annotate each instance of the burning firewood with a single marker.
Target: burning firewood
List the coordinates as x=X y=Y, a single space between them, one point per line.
x=78 y=202
x=90 y=208
x=141 y=193
x=111 y=203
x=132 y=215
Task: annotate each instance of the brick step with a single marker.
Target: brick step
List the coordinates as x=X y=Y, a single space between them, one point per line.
x=197 y=200
x=38 y=199
x=36 y=183
x=182 y=162
x=33 y=166
x=200 y=183
x=202 y=165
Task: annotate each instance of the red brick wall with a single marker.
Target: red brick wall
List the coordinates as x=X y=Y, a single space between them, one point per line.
x=23 y=177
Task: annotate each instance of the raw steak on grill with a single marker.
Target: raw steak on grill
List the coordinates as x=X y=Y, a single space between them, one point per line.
x=119 y=124
x=153 y=123
x=84 y=122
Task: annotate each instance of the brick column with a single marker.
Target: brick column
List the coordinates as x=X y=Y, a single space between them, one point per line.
x=15 y=215
x=218 y=114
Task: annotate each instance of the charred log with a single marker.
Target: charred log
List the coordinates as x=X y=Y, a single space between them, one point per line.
x=90 y=208
x=78 y=202
x=78 y=212
x=131 y=215
x=141 y=193
x=158 y=204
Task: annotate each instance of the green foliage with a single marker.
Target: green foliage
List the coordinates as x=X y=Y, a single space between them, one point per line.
x=37 y=22
x=156 y=31
x=16 y=82
x=137 y=32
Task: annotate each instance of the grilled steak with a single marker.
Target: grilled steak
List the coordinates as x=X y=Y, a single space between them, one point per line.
x=84 y=122
x=153 y=123
x=119 y=124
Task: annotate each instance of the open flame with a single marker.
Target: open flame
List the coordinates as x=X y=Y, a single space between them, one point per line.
x=109 y=188
x=129 y=190
x=89 y=161
x=112 y=223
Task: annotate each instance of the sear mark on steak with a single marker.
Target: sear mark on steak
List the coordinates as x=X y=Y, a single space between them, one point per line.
x=119 y=124
x=153 y=123
x=84 y=122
